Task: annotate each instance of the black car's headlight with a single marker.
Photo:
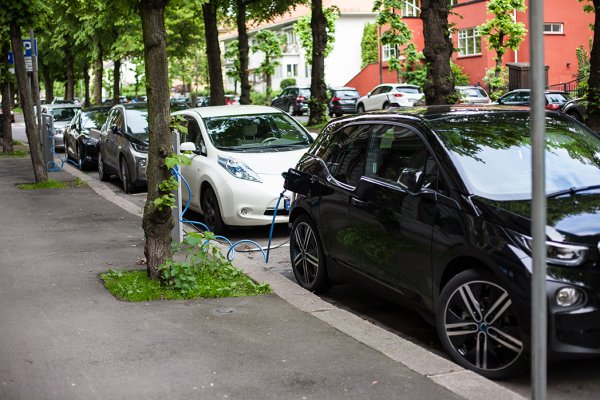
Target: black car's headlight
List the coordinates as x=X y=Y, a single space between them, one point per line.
x=564 y=254
x=142 y=148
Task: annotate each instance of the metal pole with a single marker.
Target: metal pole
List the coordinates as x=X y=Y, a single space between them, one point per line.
x=177 y=232
x=538 y=210
x=36 y=84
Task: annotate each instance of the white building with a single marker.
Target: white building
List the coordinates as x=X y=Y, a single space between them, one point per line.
x=342 y=64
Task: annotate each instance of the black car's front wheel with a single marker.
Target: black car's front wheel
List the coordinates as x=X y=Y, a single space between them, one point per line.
x=478 y=325
x=125 y=177
x=308 y=261
x=102 y=172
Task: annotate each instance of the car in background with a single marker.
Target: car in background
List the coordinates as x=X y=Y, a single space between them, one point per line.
x=389 y=95
x=473 y=95
x=576 y=108
x=62 y=115
x=202 y=101
x=431 y=207
x=293 y=99
x=232 y=100
x=555 y=99
x=81 y=136
x=237 y=157
x=342 y=100
x=123 y=149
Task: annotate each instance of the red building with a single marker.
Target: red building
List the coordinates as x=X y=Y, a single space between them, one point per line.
x=566 y=27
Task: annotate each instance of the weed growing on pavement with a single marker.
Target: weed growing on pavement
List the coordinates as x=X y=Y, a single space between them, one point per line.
x=205 y=273
x=49 y=184
x=15 y=153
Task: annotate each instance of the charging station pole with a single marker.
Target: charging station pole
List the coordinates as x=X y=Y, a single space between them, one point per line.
x=177 y=232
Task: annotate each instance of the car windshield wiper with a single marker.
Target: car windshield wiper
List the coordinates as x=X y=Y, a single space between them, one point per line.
x=229 y=148
x=572 y=191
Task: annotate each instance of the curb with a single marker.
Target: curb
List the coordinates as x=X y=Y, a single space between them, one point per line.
x=440 y=371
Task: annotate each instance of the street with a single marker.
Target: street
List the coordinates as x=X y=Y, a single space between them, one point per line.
x=566 y=379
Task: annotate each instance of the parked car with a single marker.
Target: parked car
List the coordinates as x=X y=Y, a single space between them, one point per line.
x=389 y=95
x=123 y=149
x=62 y=114
x=555 y=99
x=81 y=136
x=473 y=95
x=431 y=208
x=238 y=155
x=202 y=101
x=342 y=100
x=232 y=100
x=576 y=108
x=293 y=99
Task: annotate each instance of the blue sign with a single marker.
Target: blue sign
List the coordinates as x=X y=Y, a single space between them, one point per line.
x=28 y=48
x=11 y=58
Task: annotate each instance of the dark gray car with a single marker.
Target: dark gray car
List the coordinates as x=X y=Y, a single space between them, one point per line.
x=124 y=145
x=293 y=99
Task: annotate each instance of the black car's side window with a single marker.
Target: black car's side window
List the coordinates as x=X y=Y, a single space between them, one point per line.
x=398 y=155
x=346 y=154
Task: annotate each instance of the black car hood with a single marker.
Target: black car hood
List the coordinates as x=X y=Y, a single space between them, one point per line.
x=576 y=217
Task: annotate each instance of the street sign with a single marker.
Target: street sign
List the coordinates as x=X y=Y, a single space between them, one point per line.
x=28 y=64
x=28 y=48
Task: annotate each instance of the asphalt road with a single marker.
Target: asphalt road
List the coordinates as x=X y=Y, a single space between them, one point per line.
x=566 y=379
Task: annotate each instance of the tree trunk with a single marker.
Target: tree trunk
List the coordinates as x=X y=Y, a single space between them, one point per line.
x=86 y=83
x=243 y=50
x=317 y=89
x=70 y=85
x=48 y=84
x=157 y=223
x=438 y=51
x=35 y=147
x=117 y=81
x=98 y=71
x=213 y=53
x=7 y=141
x=593 y=118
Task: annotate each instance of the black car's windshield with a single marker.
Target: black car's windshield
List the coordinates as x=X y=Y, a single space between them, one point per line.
x=63 y=114
x=260 y=132
x=137 y=123
x=93 y=118
x=493 y=153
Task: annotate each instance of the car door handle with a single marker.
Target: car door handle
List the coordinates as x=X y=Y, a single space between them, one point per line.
x=358 y=203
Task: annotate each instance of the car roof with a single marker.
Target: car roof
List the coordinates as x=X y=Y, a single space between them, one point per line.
x=342 y=88
x=63 y=105
x=220 y=111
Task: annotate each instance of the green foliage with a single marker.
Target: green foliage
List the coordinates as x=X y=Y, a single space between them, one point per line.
x=502 y=33
x=498 y=84
x=232 y=57
x=414 y=71
x=460 y=78
x=583 y=68
x=398 y=34
x=304 y=31
x=369 y=45
x=269 y=43
x=49 y=184
x=287 y=82
x=258 y=98
x=168 y=186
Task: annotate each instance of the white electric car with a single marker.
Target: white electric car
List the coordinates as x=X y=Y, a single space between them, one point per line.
x=238 y=154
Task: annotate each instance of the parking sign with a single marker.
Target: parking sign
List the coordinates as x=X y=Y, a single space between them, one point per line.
x=29 y=48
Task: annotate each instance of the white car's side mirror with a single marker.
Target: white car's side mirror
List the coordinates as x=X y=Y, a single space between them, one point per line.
x=186 y=147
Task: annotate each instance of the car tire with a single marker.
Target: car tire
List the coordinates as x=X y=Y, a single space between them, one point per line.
x=386 y=106
x=80 y=158
x=338 y=115
x=102 y=172
x=291 y=110
x=212 y=212
x=575 y=115
x=360 y=108
x=126 y=177
x=478 y=325
x=307 y=257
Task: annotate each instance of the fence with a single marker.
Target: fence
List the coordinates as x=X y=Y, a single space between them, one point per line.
x=571 y=87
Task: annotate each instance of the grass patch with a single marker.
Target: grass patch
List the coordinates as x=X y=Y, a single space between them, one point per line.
x=15 y=153
x=315 y=128
x=19 y=149
x=136 y=286
x=53 y=184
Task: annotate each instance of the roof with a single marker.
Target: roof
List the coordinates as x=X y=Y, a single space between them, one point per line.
x=219 y=111
x=61 y=105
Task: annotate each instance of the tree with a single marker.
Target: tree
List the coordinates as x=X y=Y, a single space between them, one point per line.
x=502 y=32
x=397 y=35
x=232 y=55
x=369 y=45
x=213 y=52
x=438 y=49
x=593 y=90
x=269 y=43
x=318 y=43
x=157 y=221
x=5 y=80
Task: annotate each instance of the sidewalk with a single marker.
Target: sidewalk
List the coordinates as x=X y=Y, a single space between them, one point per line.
x=63 y=336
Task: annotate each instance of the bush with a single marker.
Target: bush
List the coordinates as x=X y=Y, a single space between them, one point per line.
x=287 y=82
x=258 y=98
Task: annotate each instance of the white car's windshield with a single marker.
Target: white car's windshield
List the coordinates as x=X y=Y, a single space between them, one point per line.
x=259 y=132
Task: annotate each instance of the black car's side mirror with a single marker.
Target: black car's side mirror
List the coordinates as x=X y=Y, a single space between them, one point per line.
x=410 y=180
x=296 y=181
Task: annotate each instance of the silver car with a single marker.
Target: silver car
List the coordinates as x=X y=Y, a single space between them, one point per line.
x=124 y=145
x=473 y=95
x=62 y=114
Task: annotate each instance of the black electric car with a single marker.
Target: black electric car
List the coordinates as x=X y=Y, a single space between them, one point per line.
x=82 y=136
x=431 y=207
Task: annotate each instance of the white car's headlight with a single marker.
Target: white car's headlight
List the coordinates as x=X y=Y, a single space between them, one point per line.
x=239 y=169
x=569 y=255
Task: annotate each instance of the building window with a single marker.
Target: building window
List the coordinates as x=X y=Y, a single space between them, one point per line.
x=387 y=52
x=292 y=70
x=469 y=42
x=553 y=28
x=411 y=8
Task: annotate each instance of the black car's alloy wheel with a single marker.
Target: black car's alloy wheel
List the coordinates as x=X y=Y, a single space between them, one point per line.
x=125 y=178
x=102 y=172
x=306 y=254
x=81 y=158
x=211 y=211
x=478 y=325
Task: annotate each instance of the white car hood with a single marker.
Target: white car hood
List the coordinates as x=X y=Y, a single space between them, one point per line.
x=268 y=163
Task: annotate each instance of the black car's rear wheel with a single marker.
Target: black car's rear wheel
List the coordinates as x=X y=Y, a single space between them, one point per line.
x=478 y=325
x=81 y=158
x=102 y=172
x=308 y=261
